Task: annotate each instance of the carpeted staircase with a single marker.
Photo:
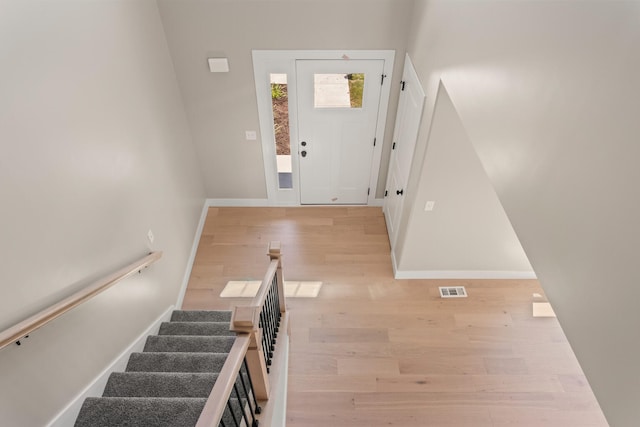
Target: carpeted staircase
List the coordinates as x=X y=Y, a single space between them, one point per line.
x=168 y=383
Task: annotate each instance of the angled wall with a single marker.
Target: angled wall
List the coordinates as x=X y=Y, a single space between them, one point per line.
x=549 y=96
x=467 y=234
x=96 y=151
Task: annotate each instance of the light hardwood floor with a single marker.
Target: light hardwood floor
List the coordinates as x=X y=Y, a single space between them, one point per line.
x=374 y=351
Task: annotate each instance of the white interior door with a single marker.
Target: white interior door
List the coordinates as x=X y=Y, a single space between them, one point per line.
x=410 y=106
x=338 y=102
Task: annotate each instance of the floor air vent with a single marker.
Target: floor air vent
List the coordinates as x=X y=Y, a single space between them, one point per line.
x=453 y=292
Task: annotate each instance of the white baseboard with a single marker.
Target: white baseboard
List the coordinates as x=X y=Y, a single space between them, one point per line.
x=211 y=203
x=458 y=274
x=394 y=264
x=67 y=416
x=462 y=274
x=192 y=256
x=237 y=202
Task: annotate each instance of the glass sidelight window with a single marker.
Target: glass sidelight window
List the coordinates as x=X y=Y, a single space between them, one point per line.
x=280 y=108
x=338 y=90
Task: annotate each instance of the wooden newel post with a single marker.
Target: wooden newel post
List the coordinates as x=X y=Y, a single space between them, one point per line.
x=274 y=254
x=244 y=320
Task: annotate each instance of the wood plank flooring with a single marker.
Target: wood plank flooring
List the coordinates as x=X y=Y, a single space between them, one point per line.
x=374 y=351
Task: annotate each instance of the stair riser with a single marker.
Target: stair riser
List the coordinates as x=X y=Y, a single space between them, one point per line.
x=175 y=362
x=196 y=328
x=201 y=316
x=182 y=344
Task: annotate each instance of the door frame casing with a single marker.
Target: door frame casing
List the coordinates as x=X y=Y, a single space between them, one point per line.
x=267 y=62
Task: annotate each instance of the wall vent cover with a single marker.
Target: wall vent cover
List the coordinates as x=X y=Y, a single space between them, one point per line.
x=453 y=292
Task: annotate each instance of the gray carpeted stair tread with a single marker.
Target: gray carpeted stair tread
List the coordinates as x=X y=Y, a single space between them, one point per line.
x=140 y=412
x=176 y=362
x=198 y=344
x=159 y=384
x=195 y=328
x=200 y=316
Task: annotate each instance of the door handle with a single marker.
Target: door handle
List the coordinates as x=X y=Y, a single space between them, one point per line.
x=303 y=153
x=400 y=192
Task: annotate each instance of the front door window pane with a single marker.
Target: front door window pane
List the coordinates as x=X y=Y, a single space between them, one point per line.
x=338 y=90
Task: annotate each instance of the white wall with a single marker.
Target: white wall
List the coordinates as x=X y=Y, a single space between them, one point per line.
x=95 y=151
x=549 y=95
x=467 y=234
x=222 y=106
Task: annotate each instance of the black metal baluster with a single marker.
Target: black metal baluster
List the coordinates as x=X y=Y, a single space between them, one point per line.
x=264 y=341
x=241 y=377
x=244 y=412
x=275 y=308
x=255 y=401
x=263 y=328
x=269 y=329
x=272 y=318
x=233 y=414
x=269 y=321
x=269 y=304
x=276 y=301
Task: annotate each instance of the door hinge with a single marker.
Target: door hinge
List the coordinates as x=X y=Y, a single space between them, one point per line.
x=386 y=192
x=402 y=85
x=368 y=190
x=374 y=141
x=393 y=147
x=382 y=80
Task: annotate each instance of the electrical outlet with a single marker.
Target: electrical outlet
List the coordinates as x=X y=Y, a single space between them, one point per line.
x=150 y=236
x=429 y=205
x=251 y=135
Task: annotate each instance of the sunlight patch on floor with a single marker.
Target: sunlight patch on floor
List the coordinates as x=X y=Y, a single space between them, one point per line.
x=249 y=288
x=543 y=309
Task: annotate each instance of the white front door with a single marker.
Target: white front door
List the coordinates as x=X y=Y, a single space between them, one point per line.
x=405 y=135
x=338 y=102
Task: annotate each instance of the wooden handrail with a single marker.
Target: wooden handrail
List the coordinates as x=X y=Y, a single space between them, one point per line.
x=261 y=295
x=24 y=328
x=217 y=400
